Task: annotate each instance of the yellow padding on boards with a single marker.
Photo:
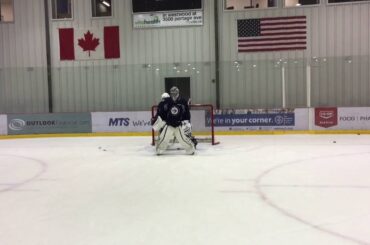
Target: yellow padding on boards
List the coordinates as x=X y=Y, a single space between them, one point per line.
x=282 y=132
x=257 y=132
x=114 y=134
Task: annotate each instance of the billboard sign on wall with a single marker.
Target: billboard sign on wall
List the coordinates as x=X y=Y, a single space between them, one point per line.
x=261 y=119
x=49 y=123
x=355 y=118
x=3 y=127
x=121 y=121
x=168 y=19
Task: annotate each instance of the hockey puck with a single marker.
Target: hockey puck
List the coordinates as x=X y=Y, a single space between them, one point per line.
x=334 y=141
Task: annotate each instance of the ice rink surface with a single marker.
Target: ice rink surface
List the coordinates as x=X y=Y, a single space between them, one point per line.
x=248 y=190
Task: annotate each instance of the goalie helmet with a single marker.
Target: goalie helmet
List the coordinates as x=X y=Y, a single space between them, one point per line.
x=174 y=91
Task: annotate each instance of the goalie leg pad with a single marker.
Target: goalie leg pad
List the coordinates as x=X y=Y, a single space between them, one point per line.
x=185 y=140
x=164 y=139
x=186 y=127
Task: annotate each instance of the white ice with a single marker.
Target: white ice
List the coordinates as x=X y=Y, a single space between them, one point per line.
x=257 y=190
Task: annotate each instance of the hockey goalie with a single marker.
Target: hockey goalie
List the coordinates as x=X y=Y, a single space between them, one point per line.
x=173 y=121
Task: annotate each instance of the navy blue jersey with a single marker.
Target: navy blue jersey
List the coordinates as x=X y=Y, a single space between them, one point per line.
x=174 y=112
x=160 y=108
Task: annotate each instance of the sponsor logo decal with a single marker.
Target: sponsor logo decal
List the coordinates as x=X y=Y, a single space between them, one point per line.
x=17 y=124
x=326 y=117
x=114 y=122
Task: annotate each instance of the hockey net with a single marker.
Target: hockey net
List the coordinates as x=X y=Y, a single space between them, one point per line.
x=201 y=122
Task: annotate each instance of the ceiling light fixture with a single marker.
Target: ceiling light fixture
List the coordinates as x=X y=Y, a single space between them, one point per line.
x=106 y=3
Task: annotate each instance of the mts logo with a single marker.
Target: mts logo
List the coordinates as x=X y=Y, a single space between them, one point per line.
x=119 y=122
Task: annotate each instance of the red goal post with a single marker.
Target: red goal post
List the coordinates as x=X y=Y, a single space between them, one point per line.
x=202 y=122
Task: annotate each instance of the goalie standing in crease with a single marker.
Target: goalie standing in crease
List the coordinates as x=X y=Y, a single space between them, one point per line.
x=173 y=120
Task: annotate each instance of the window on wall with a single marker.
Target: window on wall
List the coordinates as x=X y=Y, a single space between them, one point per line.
x=346 y=1
x=249 y=4
x=140 y=6
x=101 y=8
x=297 y=3
x=6 y=11
x=62 y=9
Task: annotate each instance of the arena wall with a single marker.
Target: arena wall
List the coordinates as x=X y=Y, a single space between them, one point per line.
x=333 y=71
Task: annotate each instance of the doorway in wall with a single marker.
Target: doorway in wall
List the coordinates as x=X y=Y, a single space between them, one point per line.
x=183 y=83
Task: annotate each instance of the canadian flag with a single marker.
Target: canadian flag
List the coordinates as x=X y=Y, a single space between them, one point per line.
x=86 y=44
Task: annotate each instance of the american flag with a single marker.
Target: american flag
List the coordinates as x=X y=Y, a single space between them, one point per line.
x=272 y=34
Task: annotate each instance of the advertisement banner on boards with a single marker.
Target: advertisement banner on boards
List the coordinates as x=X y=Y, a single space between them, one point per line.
x=224 y=120
x=326 y=117
x=49 y=123
x=3 y=127
x=168 y=19
x=138 y=121
x=355 y=118
x=260 y=119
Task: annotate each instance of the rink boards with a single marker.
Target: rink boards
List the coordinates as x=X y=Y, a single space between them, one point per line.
x=226 y=122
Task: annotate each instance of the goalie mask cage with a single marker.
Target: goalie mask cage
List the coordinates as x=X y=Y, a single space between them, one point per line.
x=201 y=122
